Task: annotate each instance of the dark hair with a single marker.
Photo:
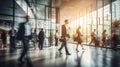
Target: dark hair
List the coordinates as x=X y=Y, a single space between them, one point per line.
x=41 y=28
x=66 y=21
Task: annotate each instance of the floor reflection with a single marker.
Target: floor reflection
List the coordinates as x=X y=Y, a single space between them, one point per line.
x=79 y=58
x=50 y=57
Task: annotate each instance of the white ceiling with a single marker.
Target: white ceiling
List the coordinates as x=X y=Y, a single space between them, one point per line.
x=69 y=9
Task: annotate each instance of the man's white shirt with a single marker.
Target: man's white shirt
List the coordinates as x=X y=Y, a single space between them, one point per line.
x=27 y=29
x=67 y=31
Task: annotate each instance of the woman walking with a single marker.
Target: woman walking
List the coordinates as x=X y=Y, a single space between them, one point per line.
x=78 y=38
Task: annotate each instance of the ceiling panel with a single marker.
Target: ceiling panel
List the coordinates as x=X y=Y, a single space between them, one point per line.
x=6 y=8
x=69 y=9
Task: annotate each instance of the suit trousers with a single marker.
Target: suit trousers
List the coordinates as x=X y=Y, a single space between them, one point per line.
x=64 y=44
x=41 y=44
x=24 y=53
x=56 y=41
x=12 y=42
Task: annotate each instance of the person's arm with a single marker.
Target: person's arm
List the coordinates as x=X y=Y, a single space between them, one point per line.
x=39 y=35
x=63 y=29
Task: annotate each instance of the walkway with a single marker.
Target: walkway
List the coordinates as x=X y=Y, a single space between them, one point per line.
x=50 y=57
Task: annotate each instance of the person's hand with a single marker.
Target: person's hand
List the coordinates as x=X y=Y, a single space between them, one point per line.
x=68 y=35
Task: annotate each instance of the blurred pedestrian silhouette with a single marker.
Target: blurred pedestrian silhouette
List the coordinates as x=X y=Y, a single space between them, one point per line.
x=94 y=39
x=35 y=38
x=4 y=38
x=12 y=34
x=24 y=34
x=56 y=38
x=64 y=37
x=41 y=39
x=115 y=37
x=93 y=35
x=104 y=35
x=78 y=38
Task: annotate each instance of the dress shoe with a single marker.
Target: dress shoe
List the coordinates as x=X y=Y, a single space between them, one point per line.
x=77 y=50
x=59 y=51
x=21 y=61
x=83 y=49
x=68 y=54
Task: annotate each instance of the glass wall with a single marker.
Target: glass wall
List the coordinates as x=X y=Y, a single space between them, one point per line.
x=99 y=19
x=42 y=15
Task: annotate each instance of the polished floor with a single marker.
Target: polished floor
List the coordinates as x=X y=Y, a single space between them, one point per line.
x=50 y=57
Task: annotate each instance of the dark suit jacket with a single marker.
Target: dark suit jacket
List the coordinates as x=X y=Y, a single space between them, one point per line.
x=21 y=31
x=41 y=36
x=64 y=32
x=10 y=32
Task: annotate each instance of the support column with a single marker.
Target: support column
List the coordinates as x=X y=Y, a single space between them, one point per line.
x=103 y=14
x=111 y=16
x=50 y=21
x=57 y=17
x=91 y=20
x=86 y=25
x=13 y=23
x=97 y=17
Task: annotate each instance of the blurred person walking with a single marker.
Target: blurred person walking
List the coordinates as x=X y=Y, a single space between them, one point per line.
x=12 y=34
x=24 y=34
x=35 y=38
x=64 y=37
x=94 y=39
x=78 y=38
x=115 y=36
x=104 y=35
x=41 y=39
x=93 y=36
x=4 y=39
x=56 y=38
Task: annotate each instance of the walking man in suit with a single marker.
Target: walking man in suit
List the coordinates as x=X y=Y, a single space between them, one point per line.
x=64 y=37
x=24 y=34
x=41 y=39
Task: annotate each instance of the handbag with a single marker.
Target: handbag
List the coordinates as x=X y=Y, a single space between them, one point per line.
x=61 y=39
x=76 y=37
